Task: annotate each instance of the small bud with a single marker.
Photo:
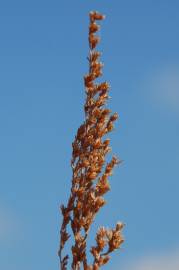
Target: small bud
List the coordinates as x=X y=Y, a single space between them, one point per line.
x=119 y=226
x=114 y=117
x=94 y=15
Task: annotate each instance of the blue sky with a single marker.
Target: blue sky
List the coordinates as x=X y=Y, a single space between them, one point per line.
x=43 y=53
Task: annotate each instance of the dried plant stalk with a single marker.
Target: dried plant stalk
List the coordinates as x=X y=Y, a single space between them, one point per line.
x=90 y=173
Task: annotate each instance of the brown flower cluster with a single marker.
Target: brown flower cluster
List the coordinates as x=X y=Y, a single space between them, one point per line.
x=90 y=173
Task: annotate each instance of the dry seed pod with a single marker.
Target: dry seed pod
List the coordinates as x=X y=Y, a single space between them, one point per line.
x=93 y=41
x=103 y=86
x=94 y=15
x=94 y=27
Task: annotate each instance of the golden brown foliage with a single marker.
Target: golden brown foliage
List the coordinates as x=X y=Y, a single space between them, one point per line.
x=90 y=174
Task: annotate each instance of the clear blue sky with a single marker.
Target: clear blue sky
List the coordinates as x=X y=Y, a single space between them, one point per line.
x=43 y=51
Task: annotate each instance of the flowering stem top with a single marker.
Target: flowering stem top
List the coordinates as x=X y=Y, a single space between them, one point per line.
x=90 y=172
